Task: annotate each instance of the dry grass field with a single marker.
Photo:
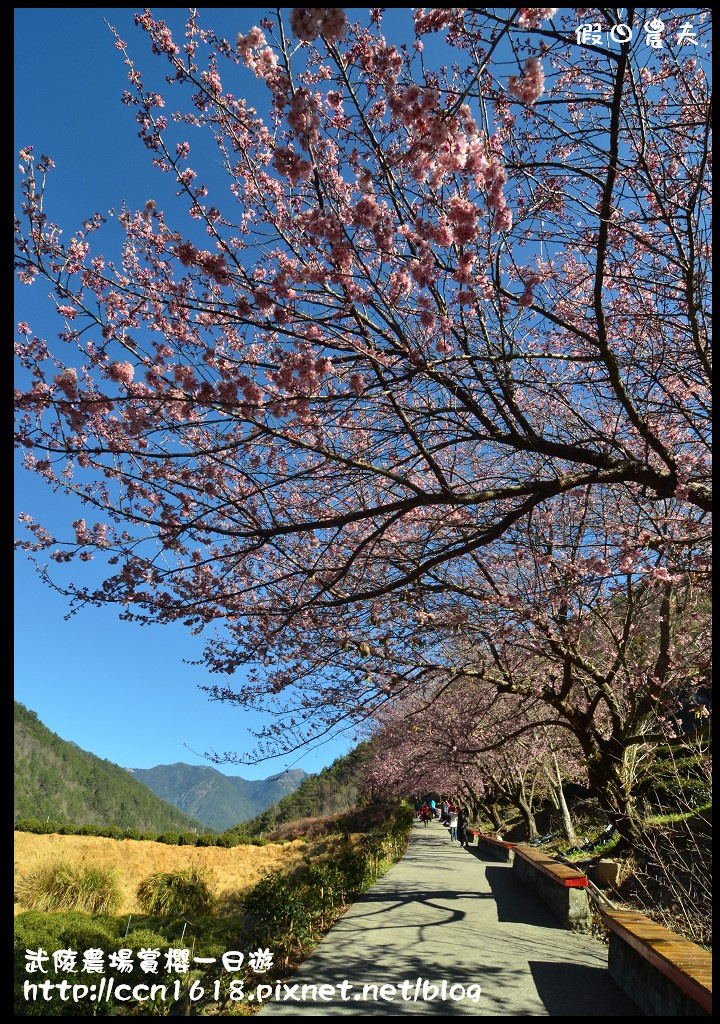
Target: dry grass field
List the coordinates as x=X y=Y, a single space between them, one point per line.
x=235 y=870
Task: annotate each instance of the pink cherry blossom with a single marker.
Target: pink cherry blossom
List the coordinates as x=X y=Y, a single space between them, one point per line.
x=531 y=85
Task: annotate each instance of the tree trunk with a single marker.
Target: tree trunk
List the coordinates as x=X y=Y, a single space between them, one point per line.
x=528 y=817
x=494 y=814
x=520 y=800
x=611 y=782
x=558 y=792
x=475 y=807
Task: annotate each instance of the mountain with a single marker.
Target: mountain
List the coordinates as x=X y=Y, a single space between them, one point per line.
x=57 y=779
x=219 y=801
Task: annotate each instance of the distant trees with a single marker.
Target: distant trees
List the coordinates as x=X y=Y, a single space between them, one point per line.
x=609 y=647
x=481 y=748
x=338 y=788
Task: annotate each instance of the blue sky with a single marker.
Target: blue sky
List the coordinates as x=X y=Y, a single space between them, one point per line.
x=115 y=688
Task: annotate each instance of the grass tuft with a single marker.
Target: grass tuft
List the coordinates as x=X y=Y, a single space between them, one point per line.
x=173 y=893
x=62 y=886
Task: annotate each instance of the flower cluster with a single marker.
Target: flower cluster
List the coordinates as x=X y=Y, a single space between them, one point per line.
x=366 y=212
x=82 y=534
x=212 y=263
x=413 y=104
x=463 y=215
x=301 y=373
x=530 y=17
x=369 y=214
x=433 y=19
x=67 y=382
x=291 y=165
x=530 y=278
x=161 y=35
x=124 y=373
x=246 y=44
x=310 y=22
x=531 y=84
x=304 y=117
x=263 y=64
x=211 y=81
x=495 y=177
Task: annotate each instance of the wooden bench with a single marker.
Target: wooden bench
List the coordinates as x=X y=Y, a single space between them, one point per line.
x=561 y=873
x=562 y=888
x=498 y=848
x=665 y=974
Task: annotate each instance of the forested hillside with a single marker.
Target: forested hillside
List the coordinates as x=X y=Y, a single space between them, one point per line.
x=57 y=779
x=336 y=789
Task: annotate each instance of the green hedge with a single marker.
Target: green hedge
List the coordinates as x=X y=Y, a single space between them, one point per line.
x=207 y=936
x=224 y=839
x=289 y=910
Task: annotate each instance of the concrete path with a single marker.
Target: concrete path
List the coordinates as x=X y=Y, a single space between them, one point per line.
x=444 y=914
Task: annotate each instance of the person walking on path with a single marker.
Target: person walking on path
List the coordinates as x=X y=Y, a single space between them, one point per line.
x=425 y=814
x=462 y=827
x=453 y=823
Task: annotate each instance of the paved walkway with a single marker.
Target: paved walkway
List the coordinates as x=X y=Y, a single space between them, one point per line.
x=445 y=914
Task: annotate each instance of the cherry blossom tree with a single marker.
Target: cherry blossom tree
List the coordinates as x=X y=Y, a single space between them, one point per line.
x=613 y=645
x=478 y=746
x=443 y=293
x=617 y=648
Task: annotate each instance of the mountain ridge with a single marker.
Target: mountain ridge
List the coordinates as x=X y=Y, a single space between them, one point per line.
x=220 y=801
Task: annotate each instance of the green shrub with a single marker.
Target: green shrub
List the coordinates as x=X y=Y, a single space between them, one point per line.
x=87 y=830
x=173 y=893
x=77 y=931
x=280 y=910
x=29 y=825
x=286 y=910
x=171 y=838
x=37 y=826
x=60 y=886
x=209 y=839
x=113 y=832
x=227 y=840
